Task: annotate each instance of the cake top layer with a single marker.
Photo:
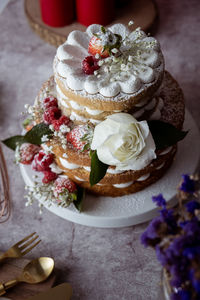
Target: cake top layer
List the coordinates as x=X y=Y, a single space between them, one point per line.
x=128 y=62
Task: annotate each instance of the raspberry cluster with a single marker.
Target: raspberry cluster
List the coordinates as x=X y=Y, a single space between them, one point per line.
x=52 y=114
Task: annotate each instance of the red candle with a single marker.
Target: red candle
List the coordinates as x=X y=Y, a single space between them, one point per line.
x=95 y=11
x=57 y=13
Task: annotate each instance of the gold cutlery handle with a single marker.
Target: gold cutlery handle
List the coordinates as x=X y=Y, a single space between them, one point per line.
x=5 y=286
x=2 y=257
x=2 y=289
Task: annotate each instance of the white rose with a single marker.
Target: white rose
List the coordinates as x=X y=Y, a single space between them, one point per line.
x=122 y=141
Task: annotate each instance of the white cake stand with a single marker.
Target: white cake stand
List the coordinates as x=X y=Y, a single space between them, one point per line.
x=108 y=212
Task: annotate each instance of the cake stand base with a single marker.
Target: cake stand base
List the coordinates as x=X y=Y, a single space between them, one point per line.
x=108 y=212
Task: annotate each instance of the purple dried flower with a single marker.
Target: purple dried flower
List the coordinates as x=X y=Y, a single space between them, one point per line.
x=159 y=200
x=169 y=218
x=192 y=252
x=151 y=232
x=175 y=235
x=161 y=256
x=195 y=281
x=187 y=185
x=192 y=206
x=192 y=228
x=181 y=295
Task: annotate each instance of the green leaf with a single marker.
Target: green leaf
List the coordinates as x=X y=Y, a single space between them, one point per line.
x=26 y=122
x=165 y=134
x=98 y=168
x=34 y=136
x=78 y=203
x=103 y=30
x=14 y=141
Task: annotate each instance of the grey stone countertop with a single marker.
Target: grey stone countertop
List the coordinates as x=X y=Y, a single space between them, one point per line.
x=99 y=263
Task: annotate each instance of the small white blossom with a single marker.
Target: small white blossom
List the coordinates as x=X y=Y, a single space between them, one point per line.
x=51 y=127
x=64 y=128
x=97 y=56
x=45 y=138
x=100 y=63
x=115 y=50
x=130 y=23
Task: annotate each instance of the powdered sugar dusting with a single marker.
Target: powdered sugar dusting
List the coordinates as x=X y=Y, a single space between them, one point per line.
x=140 y=64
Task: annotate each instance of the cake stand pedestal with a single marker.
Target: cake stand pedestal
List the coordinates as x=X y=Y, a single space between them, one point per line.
x=108 y=212
x=142 y=12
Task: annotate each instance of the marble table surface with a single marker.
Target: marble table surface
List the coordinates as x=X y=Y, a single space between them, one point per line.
x=99 y=263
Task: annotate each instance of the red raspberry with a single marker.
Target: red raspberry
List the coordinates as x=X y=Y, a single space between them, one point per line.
x=27 y=152
x=49 y=176
x=76 y=134
x=89 y=65
x=62 y=185
x=42 y=161
x=50 y=102
x=51 y=114
x=62 y=121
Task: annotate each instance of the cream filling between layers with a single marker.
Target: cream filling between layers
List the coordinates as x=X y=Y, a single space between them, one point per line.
x=72 y=166
x=95 y=112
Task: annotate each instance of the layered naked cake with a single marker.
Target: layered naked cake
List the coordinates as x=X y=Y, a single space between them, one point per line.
x=113 y=97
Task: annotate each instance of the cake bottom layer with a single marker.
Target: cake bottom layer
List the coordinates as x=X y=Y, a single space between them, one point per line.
x=128 y=187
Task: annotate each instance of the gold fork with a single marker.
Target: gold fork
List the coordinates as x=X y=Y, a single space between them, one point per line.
x=22 y=247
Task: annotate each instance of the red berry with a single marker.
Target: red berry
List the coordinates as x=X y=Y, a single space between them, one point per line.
x=62 y=184
x=42 y=161
x=63 y=120
x=89 y=65
x=96 y=47
x=49 y=176
x=50 y=102
x=27 y=152
x=51 y=114
x=75 y=136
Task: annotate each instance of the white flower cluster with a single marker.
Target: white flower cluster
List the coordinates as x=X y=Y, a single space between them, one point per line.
x=45 y=192
x=61 y=134
x=128 y=59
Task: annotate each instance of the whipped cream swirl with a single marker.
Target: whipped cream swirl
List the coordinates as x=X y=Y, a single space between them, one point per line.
x=139 y=64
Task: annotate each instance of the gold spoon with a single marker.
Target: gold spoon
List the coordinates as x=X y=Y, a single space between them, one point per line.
x=35 y=271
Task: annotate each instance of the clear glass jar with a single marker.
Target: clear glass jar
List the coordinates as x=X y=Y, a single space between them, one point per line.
x=166 y=285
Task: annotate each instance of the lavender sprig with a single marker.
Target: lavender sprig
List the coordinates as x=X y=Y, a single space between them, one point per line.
x=175 y=236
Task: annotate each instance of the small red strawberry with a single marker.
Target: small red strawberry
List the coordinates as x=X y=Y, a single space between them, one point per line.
x=64 y=189
x=96 y=47
x=27 y=152
x=42 y=161
x=75 y=136
x=63 y=183
x=51 y=114
x=89 y=65
x=49 y=176
x=50 y=102
x=63 y=120
x=103 y=42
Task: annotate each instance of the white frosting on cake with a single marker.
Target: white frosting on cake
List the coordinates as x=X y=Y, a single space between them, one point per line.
x=139 y=65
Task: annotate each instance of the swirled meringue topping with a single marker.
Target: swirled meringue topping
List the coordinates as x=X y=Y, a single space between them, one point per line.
x=137 y=62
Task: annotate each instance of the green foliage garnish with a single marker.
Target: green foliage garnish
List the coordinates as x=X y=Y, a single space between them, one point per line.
x=98 y=168
x=34 y=136
x=165 y=134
